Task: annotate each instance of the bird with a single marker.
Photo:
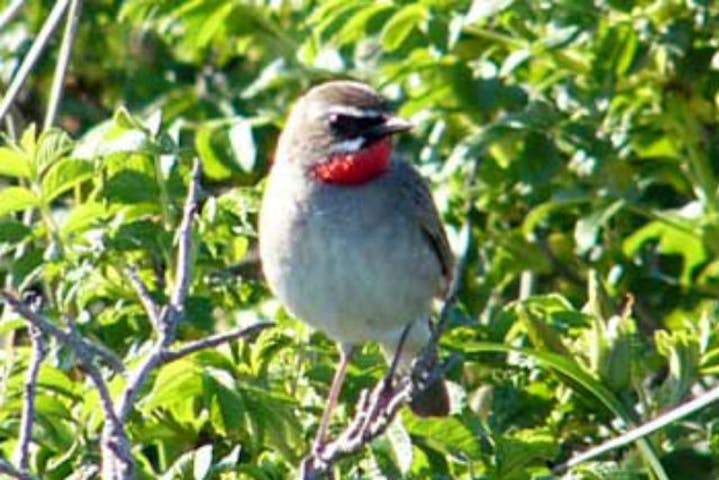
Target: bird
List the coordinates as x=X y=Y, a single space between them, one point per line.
x=350 y=239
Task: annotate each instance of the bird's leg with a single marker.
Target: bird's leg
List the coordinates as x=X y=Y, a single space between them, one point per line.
x=345 y=355
x=384 y=393
x=395 y=360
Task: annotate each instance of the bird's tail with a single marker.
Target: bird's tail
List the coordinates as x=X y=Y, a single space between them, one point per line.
x=433 y=400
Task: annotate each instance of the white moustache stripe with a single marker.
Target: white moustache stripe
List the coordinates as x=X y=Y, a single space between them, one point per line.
x=347 y=146
x=354 y=111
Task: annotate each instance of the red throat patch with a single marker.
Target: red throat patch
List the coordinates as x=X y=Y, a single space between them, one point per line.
x=356 y=167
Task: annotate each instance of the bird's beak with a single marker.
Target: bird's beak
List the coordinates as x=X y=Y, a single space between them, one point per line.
x=392 y=125
x=397 y=124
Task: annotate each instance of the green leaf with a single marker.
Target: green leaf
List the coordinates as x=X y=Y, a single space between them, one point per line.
x=227 y=148
x=56 y=381
x=582 y=378
x=401 y=24
x=13 y=199
x=175 y=383
x=52 y=145
x=14 y=163
x=64 y=175
x=356 y=28
x=542 y=212
x=82 y=217
x=675 y=237
x=11 y=324
x=587 y=228
x=447 y=435
x=515 y=452
x=28 y=140
x=12 y=231
x=682 y=352
x=228 y=408
x=131 y=186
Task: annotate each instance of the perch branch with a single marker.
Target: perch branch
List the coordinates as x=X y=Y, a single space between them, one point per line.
x=8 y=469
x=376 y=411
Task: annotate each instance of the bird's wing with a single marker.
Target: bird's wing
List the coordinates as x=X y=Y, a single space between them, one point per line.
x=416 y=193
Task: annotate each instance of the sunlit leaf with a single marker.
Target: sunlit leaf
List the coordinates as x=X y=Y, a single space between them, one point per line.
x=64 y=175
x=401 y=24
x=14 y=163
x=13 y=199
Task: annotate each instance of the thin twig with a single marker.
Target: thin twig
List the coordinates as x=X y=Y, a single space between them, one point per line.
x=86 y=352
x=184 y=248
x=58 y=81
x=10 y=13
x=114 y=435
x=39 y=350
x=104 y=393
x=51 y=23
x=641 y=431
x=76 y=343
x=213 y=341
x=153 y=311
x=116 y=458
x=8 y=469
x=172 y=313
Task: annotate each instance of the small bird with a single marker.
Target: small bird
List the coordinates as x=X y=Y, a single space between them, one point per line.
x=350 y=239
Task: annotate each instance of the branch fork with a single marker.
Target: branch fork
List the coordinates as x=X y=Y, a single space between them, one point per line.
x=116 y=448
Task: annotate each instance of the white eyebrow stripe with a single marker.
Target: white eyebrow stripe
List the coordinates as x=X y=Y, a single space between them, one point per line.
x=347 y=146
x=354 y=111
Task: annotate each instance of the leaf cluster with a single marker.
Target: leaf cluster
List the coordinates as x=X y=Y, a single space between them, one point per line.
x=571 y=146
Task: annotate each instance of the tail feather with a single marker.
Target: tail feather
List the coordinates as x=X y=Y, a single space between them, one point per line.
x=433 y=401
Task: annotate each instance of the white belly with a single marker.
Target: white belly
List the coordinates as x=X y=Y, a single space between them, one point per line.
x=346 y=263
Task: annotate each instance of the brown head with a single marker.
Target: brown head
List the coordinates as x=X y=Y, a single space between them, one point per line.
x=339 y=132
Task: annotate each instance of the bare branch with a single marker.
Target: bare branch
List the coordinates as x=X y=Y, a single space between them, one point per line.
x=153 y=311
x=114 y=435
x=58 y=81
x=76 y=343
x=10 y=13
x=8 y=469
x=39 y=350
x=104 y=393
x=213 y=341
x=86 y=352
x=172 y=313
x=641 y=431
x=51 y=23
x=184 y=248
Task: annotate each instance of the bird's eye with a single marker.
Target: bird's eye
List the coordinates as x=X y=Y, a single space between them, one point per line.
x=352 y=126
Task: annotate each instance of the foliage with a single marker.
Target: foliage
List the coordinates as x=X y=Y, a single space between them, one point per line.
x=579 y=138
